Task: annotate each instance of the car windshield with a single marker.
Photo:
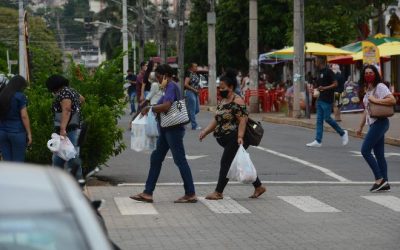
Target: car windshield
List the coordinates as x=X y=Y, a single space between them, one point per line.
x=44 y=232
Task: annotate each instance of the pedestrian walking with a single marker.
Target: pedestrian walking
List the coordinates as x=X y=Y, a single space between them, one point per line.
x=377 y=92
x=326 y=84
x=15 y=128
x=67 y=119
x=229 y=126
x=131 y=78
x=140 y=84
x=170 y=138
x=192 y=86
x=156 y=90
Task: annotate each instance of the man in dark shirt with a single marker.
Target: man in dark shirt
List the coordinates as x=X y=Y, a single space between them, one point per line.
x=326 y=84
x=131 y=78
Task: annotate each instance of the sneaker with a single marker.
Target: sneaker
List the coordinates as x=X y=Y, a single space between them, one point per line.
x=378 y=187
x=314 y=144
x=198 y=128
x=385 y=188
x=345 y=138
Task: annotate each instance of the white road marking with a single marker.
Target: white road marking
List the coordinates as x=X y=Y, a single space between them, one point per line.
x=358 y=154
x=266 y=182
x=309 y=204
x=306 y=163
x=389 y=201
x=191 y=157
x=224 y=206
x=127 y=206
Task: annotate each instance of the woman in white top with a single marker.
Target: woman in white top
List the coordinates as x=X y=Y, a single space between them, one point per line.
x=376 y=92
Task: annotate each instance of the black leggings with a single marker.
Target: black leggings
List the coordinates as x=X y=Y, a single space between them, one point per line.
x=230 y=145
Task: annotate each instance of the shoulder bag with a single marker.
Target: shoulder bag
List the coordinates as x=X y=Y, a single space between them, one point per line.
x=378 y=110
x=254 y=132
x=177 y=113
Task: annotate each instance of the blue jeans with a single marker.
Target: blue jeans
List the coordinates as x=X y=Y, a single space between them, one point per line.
x=13 y=146
x=193 y=105
x=132 y=102
x=170 y=139
x=324 y=111
x=375 y=140
x=75 y=163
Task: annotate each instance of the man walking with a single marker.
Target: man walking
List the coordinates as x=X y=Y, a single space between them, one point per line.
x=131 y=78
x=326 y=84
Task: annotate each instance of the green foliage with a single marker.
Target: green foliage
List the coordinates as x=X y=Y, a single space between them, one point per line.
x=150 y=49
x=39 y=110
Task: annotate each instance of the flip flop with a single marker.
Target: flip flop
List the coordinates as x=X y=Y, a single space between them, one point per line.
x=185 y=199
x=140 y=197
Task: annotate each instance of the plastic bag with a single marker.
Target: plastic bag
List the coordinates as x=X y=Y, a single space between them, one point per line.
x=242 y=168
x=62 y=147
x=151 y=127
x=139 y=140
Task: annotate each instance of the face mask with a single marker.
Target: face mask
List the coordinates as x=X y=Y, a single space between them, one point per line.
x=369 y=78
x=224 y=93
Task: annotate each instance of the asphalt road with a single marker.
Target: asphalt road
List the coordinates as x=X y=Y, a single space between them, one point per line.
x=282 y=156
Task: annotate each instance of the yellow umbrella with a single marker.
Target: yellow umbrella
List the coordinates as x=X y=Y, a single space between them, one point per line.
x=385 y=49
x=315 y=49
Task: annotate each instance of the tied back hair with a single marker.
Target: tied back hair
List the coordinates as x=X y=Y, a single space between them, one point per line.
x=16 y=84
x=230 y=78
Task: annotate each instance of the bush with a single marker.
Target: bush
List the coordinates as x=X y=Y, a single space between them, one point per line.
x=103 y=107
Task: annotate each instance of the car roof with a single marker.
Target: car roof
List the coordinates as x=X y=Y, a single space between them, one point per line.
x=28 y=189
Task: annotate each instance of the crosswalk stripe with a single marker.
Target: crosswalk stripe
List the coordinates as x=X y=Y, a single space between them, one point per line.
x=389 y=201
x=309 y=204
x=224 y=206
x=127 y=206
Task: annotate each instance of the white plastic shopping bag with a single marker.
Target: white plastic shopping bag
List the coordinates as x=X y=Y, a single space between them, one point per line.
x=151 y=127
x=139 y=140
x=242 y=168
x=62 y=147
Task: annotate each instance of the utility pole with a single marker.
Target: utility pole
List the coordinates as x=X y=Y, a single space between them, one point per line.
x=298 y=59
x=8 y=63
x=21 y=39
x=125 y=37
x=181 y=42
x=212 y=68
x=164 y=32
x=141 y=29
x=62 y=42
x=134 y=50
x=253 y=54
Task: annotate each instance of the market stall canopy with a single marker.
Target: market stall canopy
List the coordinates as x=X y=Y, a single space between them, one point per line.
x=315 y=49
x=270 y=58
x=385 y=50
x=378 y=39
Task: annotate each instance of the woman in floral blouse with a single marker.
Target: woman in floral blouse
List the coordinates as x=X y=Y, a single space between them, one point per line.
x=229 y=127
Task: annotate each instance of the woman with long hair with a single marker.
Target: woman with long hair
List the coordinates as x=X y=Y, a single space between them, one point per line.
x=229 y=127
x=376 y=92
x=15 y=128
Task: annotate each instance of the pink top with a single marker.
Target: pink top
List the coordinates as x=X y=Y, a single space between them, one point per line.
x=381 y=92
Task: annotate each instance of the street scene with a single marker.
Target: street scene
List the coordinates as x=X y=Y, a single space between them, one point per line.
x=193 y=124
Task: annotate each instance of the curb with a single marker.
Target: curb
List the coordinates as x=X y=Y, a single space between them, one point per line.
x=306 y=124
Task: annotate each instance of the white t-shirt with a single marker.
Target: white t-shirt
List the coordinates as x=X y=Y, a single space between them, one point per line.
x=381 y=92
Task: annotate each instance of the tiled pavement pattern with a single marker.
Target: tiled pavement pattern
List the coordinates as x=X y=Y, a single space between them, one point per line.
x=287 y=217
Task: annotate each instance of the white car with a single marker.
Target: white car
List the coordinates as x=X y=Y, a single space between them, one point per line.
x=43 y=208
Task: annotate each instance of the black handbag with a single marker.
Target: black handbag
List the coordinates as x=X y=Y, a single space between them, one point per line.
x=254 y=132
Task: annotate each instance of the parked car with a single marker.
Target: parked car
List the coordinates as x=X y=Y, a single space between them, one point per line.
x=43 y=208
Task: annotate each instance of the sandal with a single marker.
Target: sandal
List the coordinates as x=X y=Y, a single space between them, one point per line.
x=258 y=192
x=141 y=197
x=187 y=199
x=215 y=196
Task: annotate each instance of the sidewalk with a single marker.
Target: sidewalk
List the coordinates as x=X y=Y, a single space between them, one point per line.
x=350 y=122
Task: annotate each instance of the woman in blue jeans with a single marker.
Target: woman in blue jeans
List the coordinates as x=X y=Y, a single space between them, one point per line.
x=67 y=119
x=192 y=86
x=15 y=130
x=169 y=139
x=376 y=92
